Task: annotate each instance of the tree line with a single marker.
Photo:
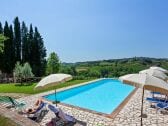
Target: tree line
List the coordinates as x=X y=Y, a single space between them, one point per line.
x=111 y=68
x=22 y=45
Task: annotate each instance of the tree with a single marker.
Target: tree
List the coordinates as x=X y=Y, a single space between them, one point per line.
x=28 y=54
x=1 y=28
x=17 y=39
x=12 y=49
x=53 y=63
x=74 y=72
x=22 y=72
x=39 y=52
x=8 y=54
x=2 y=39
x=104 y=72
x=18 y=71
x=34 y=51
x=26 y=71
x=68 y=70
x=93 y=73
x=25 y=44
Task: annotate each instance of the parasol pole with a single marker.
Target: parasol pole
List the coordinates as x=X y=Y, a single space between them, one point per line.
x=55 y=98
x=142 y=106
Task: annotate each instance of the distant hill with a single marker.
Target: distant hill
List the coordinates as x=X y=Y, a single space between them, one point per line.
x=148 y=60
x=116 y=67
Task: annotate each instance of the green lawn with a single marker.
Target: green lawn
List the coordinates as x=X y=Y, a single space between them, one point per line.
x=6 y=122
x=29 y=89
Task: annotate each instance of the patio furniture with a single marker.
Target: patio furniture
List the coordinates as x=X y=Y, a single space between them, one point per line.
x=146 y=82
x=156 y=100
x=61 y=117
x=162 y=106
x=155 y=92
x=51 y=80
x=11 y=102
x=39 y=114
x=158 y=95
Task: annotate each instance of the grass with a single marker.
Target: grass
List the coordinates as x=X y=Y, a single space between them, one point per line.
x=29 y=89
x=6 y=122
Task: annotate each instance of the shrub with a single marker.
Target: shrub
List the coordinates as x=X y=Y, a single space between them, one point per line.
x=21 y=72
x=18 y=71
x=27 y=71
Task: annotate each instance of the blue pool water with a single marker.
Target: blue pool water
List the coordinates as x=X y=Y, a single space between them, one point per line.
x=101 y=96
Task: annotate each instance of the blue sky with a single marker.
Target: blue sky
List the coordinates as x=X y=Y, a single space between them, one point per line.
x=84 y=30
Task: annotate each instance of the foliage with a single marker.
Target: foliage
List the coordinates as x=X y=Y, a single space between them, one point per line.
x=17 y=39
x=2 y=39
x=23 y=45
x=68 y=70
x=8 y=59
x=74 y=72
x=29 y=89
x=104 y=72
x=18 y=70
x=115 y=67
x=94 y=73
x=36 y=52
x=53 y=63
x=27 y=71
x=21 y=72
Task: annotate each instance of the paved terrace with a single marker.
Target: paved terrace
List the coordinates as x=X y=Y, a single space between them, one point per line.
x=128 y=116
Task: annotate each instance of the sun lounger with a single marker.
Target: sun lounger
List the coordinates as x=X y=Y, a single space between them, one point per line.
x=11 y=102
x=162 y=106
x=39 y=114
x=158 y=95
x=155 y=92
x=61 y=116
x=156 y=100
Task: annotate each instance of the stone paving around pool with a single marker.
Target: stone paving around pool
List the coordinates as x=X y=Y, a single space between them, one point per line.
x=128 y=116
x=14 y=95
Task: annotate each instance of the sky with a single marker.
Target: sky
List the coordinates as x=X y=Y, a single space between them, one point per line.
x=87 y=30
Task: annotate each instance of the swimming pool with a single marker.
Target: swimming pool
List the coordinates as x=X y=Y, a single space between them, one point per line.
x=102 y=96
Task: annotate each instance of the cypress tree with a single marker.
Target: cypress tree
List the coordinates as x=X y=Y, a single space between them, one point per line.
x=1 y=28
x=31 y=33
x=17 y=39
x=8 y=55
x=40 y=54
x=33 y=50
x=25 y=47
x=12 y=48
x=30 y=55
x=22 y=45
x=1 y=54
x=36 y=55
x=6 y=43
